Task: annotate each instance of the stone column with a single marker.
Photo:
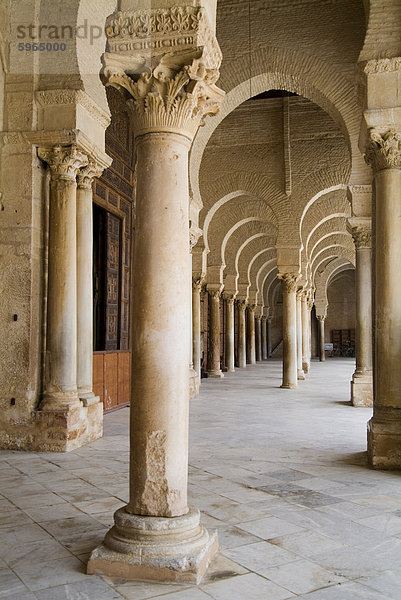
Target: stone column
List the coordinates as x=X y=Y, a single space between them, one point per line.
x=300 y=371
x=213 y=346
x=85 y=283
x=196 y=326
x=322 y=353
x=61 y=343
x=229 y=333
x=305 y=333
x=384 y=428
x=258 y=338
x=362 y=379
x=250 y=335
x=242 y=333
x=264 y=338
x=290 y=373
x=269 y=336
x=157 y=536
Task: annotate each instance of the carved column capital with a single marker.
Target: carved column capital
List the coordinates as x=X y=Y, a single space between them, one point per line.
x=289 y=281
x=197 y=285
x=242 y=304
x=383 y=149
x=167 y=61
x=362 y=237
x=252 y=307
x=215 y=294
x=86 y=175
x=64 y=161
x=229 y=298
x=320 y=317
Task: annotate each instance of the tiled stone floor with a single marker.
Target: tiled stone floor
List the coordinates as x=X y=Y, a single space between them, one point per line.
x=280 y=473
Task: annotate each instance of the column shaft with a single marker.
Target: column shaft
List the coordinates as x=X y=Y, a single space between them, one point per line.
x=196 y=327
x=258 y=338
x=250 y=336
x=241 y=334
x=264 y=338
x=305 y=335
x=289 y=332
x=229 y=334
x=322 y=353
x=269 y=337
x=300 y=371
x=213 y=347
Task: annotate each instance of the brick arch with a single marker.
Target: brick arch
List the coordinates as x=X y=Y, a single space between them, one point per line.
x=334 y=233
x=245 y=259
x=256 y=265
x=306 y=75
x=261 y=277
x=322 y=281
x=332 y=252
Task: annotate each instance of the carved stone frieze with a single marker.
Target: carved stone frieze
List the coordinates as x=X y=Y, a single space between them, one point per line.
x=166 y=61
x=383 y=65
x=67 y=96
x=384 y=149
x=64 y=161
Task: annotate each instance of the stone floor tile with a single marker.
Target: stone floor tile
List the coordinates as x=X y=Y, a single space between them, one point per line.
x=249 y=587
x=52 y=513
x=256 y=557
x=140 y=590
x=380 y=502
x=350 y=510
x=91 y=589
x=302 y=576
x=232 y=537
x=223 y=567
x=9 y=518
x=51 y=573
x=232 y=512
x=388 y=583
x=34 y=552
x=10 y=585
x=307 y=543
x=188 y=594
x=288 y=475
x=91 y=507
x=345 y=591
x=269 y=527
x=387 y=523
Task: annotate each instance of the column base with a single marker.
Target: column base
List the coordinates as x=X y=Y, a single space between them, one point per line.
x=301 y=374
x=288 y=386
x=384 y=439
x=230 y=370
x=60 y=401
x=305 y=367
x=215 y=374
x=362 y=389
x=88 y=398
x=194 y=383
x=146 y=548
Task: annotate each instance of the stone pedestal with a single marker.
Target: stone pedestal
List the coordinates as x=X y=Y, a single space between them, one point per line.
x=322 y=352
x=362 y=379
x=305 y=333
x=384 y=428
x=242 y=334
x=213 y=347
x=229 y=334
x=300 y=371
x=290 y=373
x=258 y=338
x=85 y=283
x=250 y=335
x=156 y=536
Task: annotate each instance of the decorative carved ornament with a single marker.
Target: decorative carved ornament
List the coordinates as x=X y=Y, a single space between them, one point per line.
x=64 y=161
x=194 y=234
x=290 y=281
x=65 y=96
x=383 y=150
x=85 y=176
x=242 y=304
x=215 y=294
x=197 y=285
x=167 y=62
x=383 y=65
x=320 y=317
x=362 y=237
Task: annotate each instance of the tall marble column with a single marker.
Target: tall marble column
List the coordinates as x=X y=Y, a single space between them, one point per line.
x=269 y=336
x=305 y=333
x=384 y=428
x=157 y=535
x=196 y=326
x=362 y=379
x=242 y=304
x=213 y=346
x=85 y=282
x=322 y=353
x=258 y=338
x=229 y=334
x=289 y=288
x=250 y=335
x=300 y=371
x=264 y=338
x=61 y=343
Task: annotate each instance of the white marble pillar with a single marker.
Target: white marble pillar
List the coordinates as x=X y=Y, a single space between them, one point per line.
x=290 y=373
x=242 y=304
x=384 y=428
x=61 y=344
x=264 y=338
x=258 y=338
x=305 y=333
x=300 y=371
x=362 y=379
x=229 y=334
x=250 y=335
x=157 y=535
x=196 y=326
x=213 y=346
x=322 y=352
x=85 y=283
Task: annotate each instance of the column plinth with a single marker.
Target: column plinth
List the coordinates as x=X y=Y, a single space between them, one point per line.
x=229 y=334
x=250 y=335
x=156 y=536
x=213 y=347
x=242 y=334
x=290 y=372
x=384 y=428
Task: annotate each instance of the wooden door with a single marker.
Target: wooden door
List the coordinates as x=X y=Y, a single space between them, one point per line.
x=113 y=282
